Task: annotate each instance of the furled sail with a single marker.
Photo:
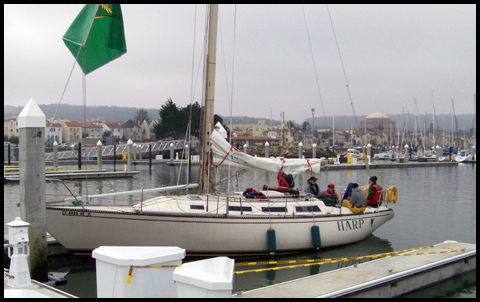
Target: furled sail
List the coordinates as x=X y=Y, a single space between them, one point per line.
x=226 y=155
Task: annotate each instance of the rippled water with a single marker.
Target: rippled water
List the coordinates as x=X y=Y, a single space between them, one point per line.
x=435 y=204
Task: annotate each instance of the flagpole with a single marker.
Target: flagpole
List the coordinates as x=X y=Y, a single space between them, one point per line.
x=76 y=58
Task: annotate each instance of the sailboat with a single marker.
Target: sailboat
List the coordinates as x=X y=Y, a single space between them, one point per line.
x=220 y=223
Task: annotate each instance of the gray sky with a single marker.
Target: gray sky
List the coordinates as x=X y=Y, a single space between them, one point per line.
x=392 y=55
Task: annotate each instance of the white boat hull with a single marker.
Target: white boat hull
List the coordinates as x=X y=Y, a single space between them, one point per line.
x=82 y=230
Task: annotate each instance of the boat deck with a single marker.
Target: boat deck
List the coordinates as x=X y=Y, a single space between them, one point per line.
x=386 y=277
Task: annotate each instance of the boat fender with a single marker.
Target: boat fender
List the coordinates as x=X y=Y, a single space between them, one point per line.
x=271 y=241
x=77 y=203
x=392 y=194
x=317 y=242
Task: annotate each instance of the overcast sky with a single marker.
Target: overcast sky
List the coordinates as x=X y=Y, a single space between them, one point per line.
x=392 y=54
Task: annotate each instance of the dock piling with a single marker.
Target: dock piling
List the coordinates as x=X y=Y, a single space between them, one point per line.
x=31 y=130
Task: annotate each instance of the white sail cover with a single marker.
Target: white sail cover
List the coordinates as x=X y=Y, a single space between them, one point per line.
x=225 y=155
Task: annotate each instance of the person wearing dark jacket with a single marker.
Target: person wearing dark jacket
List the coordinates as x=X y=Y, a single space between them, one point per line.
x=312 y=187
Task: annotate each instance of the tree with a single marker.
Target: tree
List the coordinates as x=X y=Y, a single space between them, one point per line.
x=140 y=116
x=170 y=121
x=305 y=126
x=195 y=118
x=174 y=120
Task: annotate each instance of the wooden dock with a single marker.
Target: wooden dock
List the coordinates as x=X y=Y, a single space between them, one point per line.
x=383 y=278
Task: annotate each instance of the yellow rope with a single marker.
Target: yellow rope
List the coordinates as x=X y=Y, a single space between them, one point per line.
x=309 y=262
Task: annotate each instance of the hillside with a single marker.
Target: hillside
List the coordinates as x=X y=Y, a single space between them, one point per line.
x=115 y=113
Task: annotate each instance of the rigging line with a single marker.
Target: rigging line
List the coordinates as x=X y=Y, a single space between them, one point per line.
x=314 y=66
x=348 y=88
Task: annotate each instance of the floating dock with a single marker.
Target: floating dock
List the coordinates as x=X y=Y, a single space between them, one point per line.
x=36 y=290
x=394 y=276
x=76 y=174
x=387 y=165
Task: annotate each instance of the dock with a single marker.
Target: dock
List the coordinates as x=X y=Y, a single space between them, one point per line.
x=394 y=276
x=36 y=290
x=387 y=165
x=76 y=174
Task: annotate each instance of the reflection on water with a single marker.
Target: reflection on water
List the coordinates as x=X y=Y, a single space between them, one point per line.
x=435 y=204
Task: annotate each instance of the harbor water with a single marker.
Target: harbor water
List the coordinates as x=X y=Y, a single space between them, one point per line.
x=435 y=204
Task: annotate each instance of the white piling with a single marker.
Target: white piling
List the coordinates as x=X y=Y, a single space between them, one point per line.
x=55 y=152
x=407 y=153
x=31 y=130
x=99 y=154
x=129 y=155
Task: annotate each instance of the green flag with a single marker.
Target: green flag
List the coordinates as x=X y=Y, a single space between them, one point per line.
x=105 y=41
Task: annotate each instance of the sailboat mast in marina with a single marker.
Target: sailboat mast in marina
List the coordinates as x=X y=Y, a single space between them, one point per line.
x=276 y=219
x=209 y=98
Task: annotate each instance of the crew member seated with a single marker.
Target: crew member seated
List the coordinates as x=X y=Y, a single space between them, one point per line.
x=285 y=180
x=329 y=197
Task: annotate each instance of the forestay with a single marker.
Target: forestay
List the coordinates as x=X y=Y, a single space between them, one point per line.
x=226 y=155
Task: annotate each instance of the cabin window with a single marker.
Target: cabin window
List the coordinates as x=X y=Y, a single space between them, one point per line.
x=307 y=209
x=274 y=209
x=196 y=207
x=239 y=209
x=194 y=197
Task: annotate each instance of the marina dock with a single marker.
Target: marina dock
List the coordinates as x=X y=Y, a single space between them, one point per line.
x=383 y=278
x=387 y=165
x=36 y=290
x=80 y=175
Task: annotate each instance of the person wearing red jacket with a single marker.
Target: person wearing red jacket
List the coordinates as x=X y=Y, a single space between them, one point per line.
x=374 y=192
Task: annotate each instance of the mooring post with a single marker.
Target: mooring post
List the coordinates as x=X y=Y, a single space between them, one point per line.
x=407 y=152
x=300 y=151
x=314 y=150
x=150 y=157
x=129 y=155
x=99 y=155
x=31 y=130
x=9 y=155
x=55 y=154
x=369 y=153
x=171 y=153
x=79 y=145
x=438 y=153
x=114 y=157
x=267 y=150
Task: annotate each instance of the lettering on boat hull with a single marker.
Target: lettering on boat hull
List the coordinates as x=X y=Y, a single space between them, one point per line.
x=348 y=225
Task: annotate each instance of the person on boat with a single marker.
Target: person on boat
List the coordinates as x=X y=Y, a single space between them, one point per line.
x=357 y=201
x=312 y=187
x=348 y=192
x=285 y=180
x=329 y=197
x=374 y=192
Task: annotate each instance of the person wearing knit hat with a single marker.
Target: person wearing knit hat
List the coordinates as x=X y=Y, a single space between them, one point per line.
x=374 y=192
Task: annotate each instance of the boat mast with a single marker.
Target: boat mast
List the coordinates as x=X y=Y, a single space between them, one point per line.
x=207 y=126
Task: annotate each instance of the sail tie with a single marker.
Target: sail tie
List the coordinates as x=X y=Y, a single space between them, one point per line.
x=228 y=153
x=309 y=167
